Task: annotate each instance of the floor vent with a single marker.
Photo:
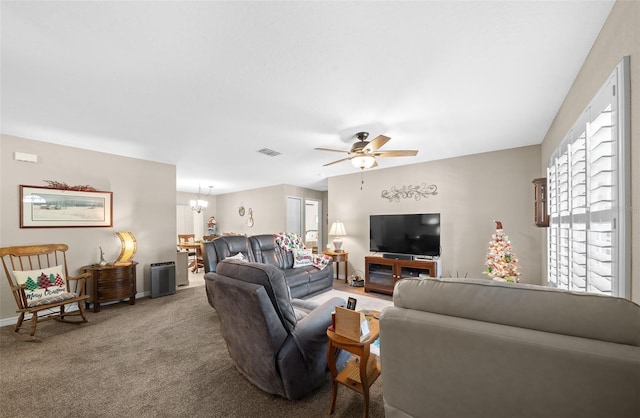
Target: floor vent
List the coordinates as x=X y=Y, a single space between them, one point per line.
x=163 y=279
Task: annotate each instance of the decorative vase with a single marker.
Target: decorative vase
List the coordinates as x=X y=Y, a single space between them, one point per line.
x=102 y=261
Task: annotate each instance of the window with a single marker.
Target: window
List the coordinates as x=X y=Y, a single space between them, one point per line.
x=588 y=178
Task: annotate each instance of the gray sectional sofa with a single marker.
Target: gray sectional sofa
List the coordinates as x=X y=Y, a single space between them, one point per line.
x=302 y=281
x=481 y=348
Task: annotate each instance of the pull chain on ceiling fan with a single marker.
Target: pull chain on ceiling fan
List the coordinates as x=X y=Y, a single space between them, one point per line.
x=363 y=153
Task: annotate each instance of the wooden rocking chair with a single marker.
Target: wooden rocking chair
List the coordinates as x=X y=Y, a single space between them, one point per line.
x=39 y=280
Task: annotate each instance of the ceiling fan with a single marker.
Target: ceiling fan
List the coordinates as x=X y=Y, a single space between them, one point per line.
x=363 y=153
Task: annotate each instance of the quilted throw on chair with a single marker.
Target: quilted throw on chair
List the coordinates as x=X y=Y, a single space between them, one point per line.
x=292 y=242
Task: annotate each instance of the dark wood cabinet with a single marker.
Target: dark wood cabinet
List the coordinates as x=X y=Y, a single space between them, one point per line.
x=381 y=274
x=540 y=213
x=111 y=283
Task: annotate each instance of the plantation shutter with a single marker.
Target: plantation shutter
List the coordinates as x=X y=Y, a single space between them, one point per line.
x=587 y=178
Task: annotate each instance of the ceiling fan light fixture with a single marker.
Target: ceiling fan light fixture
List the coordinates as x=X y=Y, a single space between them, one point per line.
x=363 y=161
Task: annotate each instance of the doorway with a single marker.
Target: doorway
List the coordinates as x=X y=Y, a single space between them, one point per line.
x=312 y=224
x=189 y=222
x=306 y=221
x=294 y=215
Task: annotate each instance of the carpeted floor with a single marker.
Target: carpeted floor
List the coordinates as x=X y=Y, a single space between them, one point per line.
x=162 y=357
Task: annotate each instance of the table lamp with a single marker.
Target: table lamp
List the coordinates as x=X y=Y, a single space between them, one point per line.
x=129 y=247
x=337 y=230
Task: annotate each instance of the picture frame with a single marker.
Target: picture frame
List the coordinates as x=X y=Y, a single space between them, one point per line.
x=351 y=304
x=46 y=207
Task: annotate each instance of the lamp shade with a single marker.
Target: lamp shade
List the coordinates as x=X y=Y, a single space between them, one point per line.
x=129 y=248
x=363 y=161
x=337 y=229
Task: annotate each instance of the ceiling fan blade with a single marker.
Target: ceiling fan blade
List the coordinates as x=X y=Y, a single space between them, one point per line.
x=377 y=142
x=396 y=153
x=337 y=161
x=332 y=150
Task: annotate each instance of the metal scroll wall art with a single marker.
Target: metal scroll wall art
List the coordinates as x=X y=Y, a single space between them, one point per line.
x=409 y=192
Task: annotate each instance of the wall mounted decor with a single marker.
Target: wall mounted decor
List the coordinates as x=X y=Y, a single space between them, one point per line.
x=45 y=207
x=408 y=192
x=250 y=218
x=64 y=186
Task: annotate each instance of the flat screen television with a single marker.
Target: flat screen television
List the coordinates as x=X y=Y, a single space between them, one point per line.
x=411 y=234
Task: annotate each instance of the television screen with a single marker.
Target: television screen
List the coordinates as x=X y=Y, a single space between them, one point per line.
x=412 y=234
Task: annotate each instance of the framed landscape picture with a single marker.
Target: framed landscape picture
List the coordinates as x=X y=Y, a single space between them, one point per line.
x=44 y=207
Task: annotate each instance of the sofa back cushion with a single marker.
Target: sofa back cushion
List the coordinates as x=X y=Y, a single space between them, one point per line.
x=209 y=256
x=265 y=250
x=287 y=259
x=231 y=245
x=272 y=278
x=586 y=315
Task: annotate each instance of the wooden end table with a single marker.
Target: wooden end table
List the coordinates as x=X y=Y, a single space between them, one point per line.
x=363 y=351
x=339 y=256
x=111 y=283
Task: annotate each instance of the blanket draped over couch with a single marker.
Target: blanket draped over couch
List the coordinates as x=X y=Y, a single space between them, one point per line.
x=293 y=243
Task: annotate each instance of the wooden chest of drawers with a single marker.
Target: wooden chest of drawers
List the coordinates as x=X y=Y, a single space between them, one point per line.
x=111 y=283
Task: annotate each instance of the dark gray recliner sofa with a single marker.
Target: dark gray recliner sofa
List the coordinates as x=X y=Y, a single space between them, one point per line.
x=278 y=344
x=303 y=281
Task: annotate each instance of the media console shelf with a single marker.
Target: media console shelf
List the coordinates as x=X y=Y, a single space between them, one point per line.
x=381 y=274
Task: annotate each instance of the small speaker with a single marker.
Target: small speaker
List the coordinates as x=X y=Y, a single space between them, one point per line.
x=163 y=279
x=398 y=256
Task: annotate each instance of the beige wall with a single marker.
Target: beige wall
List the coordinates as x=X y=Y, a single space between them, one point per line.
x=620 y=36
x=268 y=204
x=144 y=201
x=472 y=192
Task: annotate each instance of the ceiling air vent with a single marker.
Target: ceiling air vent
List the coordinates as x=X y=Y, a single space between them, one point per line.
x=269 y=152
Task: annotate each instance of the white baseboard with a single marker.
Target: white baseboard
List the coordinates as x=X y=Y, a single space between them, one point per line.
x=12 y=320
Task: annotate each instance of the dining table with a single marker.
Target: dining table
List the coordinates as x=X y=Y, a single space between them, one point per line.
x=196 y=263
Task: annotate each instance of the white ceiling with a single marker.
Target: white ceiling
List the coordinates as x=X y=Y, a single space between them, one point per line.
x=204 y=85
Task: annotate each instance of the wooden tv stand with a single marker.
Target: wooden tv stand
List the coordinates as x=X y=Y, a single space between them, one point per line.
x=381 y=274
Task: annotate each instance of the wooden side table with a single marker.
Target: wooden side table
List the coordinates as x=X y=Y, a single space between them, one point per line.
x=338 y=257
x=366 y=375
x=111 y=283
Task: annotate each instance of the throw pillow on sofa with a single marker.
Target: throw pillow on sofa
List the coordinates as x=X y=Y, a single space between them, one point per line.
x=302 y=258
x=238 y=256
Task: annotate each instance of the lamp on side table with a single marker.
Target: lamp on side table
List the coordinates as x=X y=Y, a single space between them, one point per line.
x=337 y=229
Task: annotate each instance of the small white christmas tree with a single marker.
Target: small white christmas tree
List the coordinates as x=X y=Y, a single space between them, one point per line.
x=501 y=261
